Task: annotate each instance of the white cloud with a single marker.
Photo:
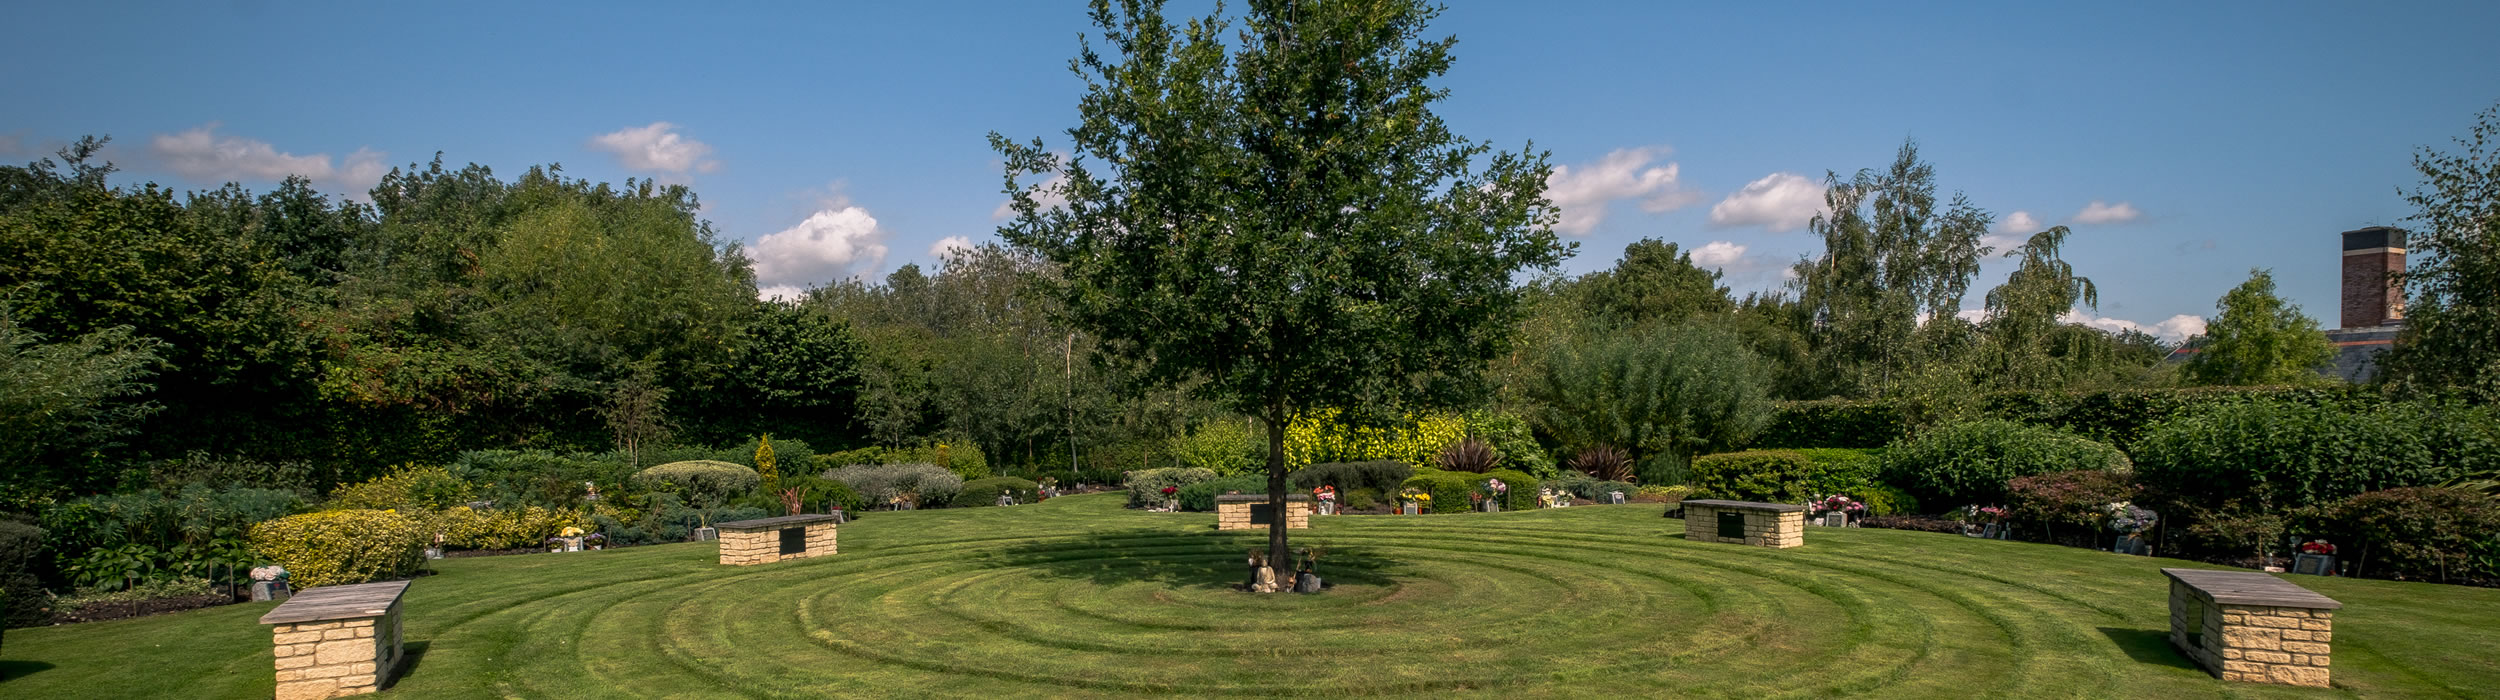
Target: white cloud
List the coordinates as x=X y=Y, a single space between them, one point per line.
x=947 y=247
x=1738 y=267
x=2101 y=213
x=656 y=147
x=1777 y=202
x=1583 y=193
x=200 y=153
x=831 y=244
x=1718 y=253
x=2019 y=223
x=2173 y=329
x=781 y=292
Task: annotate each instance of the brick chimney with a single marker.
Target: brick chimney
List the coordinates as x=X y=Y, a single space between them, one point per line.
x=2372 y=258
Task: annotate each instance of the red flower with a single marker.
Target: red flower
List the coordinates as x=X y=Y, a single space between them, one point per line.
x=1167 y=490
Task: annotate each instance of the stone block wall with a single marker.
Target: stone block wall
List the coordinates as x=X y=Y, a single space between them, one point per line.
x=1774 y=529
x=336 y=658
x=2252 y=643
x=1236 y=515
x=747 y=547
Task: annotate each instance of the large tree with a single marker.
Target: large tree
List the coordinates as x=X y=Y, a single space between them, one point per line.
x=1277 y=218
x=2259 y=339
x=1891 y=258
x=2451 y=337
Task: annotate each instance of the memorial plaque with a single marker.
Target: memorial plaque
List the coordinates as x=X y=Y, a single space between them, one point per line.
x=1262 y=514
x=1731 y=524
x=793 y=540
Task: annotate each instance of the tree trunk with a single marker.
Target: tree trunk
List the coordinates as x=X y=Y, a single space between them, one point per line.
x=1280 y=515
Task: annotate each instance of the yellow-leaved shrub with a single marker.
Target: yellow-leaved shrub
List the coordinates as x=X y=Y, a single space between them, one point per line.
x=343 y=546
x=501 y=528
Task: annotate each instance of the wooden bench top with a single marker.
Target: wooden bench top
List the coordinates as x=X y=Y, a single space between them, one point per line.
x=783 y=521
x=337 y=603
x=1747 y=505
x=2251 y=588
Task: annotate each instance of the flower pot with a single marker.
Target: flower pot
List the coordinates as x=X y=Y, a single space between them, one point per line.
x=1490 y=506
x=1412 y=509
x=433 y=552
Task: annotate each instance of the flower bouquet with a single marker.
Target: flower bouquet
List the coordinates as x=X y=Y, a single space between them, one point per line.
x=1415 y=500
x=269 y=582
x=595 y=540
x=1850 y=509
x=2316 y=557
x=2130 y=522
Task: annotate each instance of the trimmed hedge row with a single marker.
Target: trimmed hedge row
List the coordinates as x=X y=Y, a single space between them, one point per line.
x=984 y=492
x=2284 y=454
x=1971 y=463
x=343 y=546
x=2119 y=418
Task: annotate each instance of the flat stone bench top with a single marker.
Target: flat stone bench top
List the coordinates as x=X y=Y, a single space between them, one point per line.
x=1747 y=505
x=337 y=603
x=783 y=521
x=2251 y=588
x=1257 y=497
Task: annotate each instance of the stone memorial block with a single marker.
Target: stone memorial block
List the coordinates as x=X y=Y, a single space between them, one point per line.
x=1776 y=525
x=336 y=641
x=1251 y=511
x=768 y=540
x=2252 y=627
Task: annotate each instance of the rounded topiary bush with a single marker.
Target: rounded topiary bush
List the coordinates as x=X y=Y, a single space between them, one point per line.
x=929 y=484
x=1200 y=496
x=1968 y=463
x=707 y=481
x=1449 y=490
x=1522 y=488
x=343 y=546
x=20 y=544
x=984 y=492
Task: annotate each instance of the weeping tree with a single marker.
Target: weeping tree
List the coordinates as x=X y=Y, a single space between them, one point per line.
x=1658 y=391
x=1892 y=256
x=2029 y=344
x=1275 y=218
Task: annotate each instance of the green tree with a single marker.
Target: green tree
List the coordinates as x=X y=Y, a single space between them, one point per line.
x=1654 y=282
x=2451 y=336
x=2028 y=344
x=1891 y=257
x=1277 y=218
x=2259 y=339
x=1662 y=391
x=59 y=400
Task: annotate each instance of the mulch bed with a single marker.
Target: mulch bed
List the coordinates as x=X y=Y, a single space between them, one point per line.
x=98 y=612
x=1921 y=523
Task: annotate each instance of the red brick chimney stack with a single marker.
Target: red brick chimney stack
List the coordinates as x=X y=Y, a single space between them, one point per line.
x=2373 y=257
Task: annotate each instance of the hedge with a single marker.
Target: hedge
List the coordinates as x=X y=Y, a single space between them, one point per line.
x=343 y=546
x=984 y=492
x=1145 y=486
x=1784 y=476
x=1385 y=476
x=21 y=593
x=2417 y=533
x=1200 y=496
x=1970 y=463
x=1448 y=489
x=1522 y=485
x=2119 y=418
x=2287 y=454
x=501 y=528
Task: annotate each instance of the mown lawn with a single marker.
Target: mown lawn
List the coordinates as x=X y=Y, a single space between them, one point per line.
x=1077 y=596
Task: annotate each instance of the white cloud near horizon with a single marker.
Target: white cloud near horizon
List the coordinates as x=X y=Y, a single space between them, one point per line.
x=201 y=153
x=949 y=246
x=2173 y=329
x=1779 y=202
x=832 y=244
x=1583 y=193
x=657 y=147
x=1047 y=196
x=2102 y=213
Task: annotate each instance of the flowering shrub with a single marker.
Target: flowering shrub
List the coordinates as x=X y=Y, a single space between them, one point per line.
x=1146 y=486
x=1837 y=504
x=2126 y=518
x=343 y=546
x=2079 y=497
x=1973 y=461
x=272 y=572
x=410 y=487
x=501 y=528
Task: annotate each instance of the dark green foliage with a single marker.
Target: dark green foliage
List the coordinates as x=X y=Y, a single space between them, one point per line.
x=1970 y=463
x=1842 y=470
x=1891 y=256
x=1654 y=283
x=1449 y=490
x=984 y=492
x=1200 y=496
x=2283 y=454
x=21 y=559
x=1585 y=486
x=2117 y=417
x=1522 y=488
x=1467 y=455
x=2417 y=533
x=1658 y=391
x=1384 y=476
x=1602 y=462
x=1782 y=476
x=2258 y=339
x=2451 y=337
x=797 y=375
x=1832 y=423
x=517 y=478
x=1886 y=500
x=181 y=532
x=1145 y=486
x=2079 y=497
x=816 y=493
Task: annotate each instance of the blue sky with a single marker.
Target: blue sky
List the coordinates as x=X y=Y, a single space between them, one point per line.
x=2185 y=142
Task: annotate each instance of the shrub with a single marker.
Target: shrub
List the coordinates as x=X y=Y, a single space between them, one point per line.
x=1226 y=447
x=410 y=487
x=1330 y=435
x=1843 y=469
x=1448 y=489
x=962 y=458
x=1382 y=476
x=21 y=593
x=343 y=546
x=1513 y=442
x=1145 y=486
x=1523 y=486
x=1833 y=423
x=1360 y=499
x=1588 y=487
x=1772 y=476
x=2285 y=454
x=1971 y=462
x=818 y=490
x=2418 y=533
x=704 y=483
x=2079 y=497
x=984 y=492
x=1467 y=455
x=516 y=478
x=501 y=528
x=1200 y=496
x=929 y=484
x=835 y=460
x=1602 y=462
x=1885 y=500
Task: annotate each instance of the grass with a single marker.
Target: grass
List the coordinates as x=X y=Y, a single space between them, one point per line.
x=1076 y=596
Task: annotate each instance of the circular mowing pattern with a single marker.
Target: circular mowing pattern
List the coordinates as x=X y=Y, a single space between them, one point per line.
x=1539 y=601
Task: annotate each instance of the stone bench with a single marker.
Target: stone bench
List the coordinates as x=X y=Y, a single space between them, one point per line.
x=768 y=540
x=2252 y=627
x=1775 y=525
x=1250 y=511
x=336 y=641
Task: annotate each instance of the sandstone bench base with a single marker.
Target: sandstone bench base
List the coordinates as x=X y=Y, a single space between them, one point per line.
x=336 y=641
x=1249 y=511
x=768 y=540
x=2252 y=627
x=1774 y=525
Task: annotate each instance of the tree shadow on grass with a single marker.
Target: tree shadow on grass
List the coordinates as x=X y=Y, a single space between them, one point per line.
x=12 y=670
x=1207 y=560
x=2148 y=647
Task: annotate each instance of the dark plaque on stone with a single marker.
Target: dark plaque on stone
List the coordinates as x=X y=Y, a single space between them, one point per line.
x=1262 y=513
x=793 y=540
x=1731 y=525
